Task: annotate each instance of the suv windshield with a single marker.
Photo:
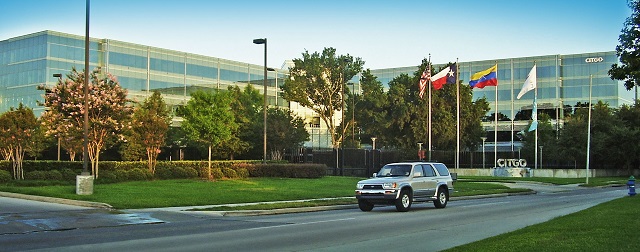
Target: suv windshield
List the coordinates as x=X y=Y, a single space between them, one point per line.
x=395 y=171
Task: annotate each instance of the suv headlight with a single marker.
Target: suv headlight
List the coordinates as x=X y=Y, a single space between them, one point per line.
x=360 y=186
x=389 y=185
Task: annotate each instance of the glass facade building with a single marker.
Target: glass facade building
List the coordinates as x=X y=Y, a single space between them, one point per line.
x=31 y=60
x=562 y=84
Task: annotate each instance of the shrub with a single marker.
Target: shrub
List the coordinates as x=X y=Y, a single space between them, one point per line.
x=69 y=174
x=139 y=174
x=288 y=170
x=216 y=173
x=5 y=176
x=229 y=173
x=242 y=172
x=43 y=175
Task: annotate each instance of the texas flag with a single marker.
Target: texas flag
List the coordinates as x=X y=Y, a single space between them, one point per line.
x=446 y=76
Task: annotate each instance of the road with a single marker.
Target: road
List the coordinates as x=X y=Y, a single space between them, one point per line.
x=424 y=228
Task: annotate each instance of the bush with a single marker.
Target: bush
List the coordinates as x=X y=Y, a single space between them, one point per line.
x=69 y=174
x=242 y=172
x=139 y=174
x=229 y=173
x=216 y=173
x=288 y=170
x=5 y=176
x=43 y=175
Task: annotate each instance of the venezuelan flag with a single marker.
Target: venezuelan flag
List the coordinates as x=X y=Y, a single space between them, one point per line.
x=485 y=78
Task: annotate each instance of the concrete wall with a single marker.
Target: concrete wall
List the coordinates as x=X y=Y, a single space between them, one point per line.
x=552 y=173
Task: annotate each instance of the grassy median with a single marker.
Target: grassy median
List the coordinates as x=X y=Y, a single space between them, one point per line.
x=193 y=192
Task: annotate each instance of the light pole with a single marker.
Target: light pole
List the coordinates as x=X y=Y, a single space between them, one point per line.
x=59 y=76
x=483 y=140
x=264 y=109
x=540 y=156
x=373 y=153
x=84 y=181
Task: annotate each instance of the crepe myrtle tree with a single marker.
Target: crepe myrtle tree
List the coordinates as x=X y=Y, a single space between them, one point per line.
x=149 y=127
x=18 y=133
x=109 y=112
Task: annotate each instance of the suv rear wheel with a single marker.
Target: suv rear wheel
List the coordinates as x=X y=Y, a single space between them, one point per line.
x=443 y=198
x=365 y=206
x=403 y=203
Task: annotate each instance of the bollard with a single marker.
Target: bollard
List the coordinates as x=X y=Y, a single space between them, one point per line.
x=631 y=184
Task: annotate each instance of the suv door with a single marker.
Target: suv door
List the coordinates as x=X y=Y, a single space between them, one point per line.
x=418 y=182
x=430 y=180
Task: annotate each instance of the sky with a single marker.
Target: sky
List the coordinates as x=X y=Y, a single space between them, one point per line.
x=384 y=34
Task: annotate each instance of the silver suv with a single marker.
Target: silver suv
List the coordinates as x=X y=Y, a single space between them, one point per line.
x=401 y=184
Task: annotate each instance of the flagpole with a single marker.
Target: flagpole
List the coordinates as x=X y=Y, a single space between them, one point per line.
x=513 y=117
x=458 y=116
x=429 y=121
x=495 y=130
x=535 y=101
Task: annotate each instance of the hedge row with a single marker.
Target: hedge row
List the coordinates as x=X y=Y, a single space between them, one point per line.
x=115 y=171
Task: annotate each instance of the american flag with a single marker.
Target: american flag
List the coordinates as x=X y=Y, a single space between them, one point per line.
x=426 y=75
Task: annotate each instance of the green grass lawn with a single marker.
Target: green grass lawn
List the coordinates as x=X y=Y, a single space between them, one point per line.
x=610 y=226
x=168 y=193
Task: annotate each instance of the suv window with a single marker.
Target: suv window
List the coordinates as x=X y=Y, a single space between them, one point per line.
x=428 y=171
x=417 y=171
x=442 y=169
x=394 y=171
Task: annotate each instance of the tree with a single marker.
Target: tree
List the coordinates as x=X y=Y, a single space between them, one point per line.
x=285 y=131
x=150 y=125
x=109 y=111
x=370 y=106
x=209 y=119
x=247 y=106
x=18 y=133
x=317 y=82
x=629 y=50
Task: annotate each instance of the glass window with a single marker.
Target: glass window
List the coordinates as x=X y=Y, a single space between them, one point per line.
x=442 y=169
x=428 y=170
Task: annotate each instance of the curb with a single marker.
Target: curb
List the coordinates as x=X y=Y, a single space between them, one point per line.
x=57 y=200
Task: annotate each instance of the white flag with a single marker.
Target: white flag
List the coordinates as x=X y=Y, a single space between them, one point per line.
x=530 y=83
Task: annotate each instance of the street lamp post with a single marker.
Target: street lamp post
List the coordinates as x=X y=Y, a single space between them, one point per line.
x=264 y=109
x=540 y=156
x=483 y=140
x=84 y=181
x=59 y=76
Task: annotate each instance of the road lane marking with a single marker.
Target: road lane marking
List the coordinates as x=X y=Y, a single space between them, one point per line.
x=299 y=224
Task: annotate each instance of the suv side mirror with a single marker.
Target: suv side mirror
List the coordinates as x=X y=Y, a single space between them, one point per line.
x=375 y=175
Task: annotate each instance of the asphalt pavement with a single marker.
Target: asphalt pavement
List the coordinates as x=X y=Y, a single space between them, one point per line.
x=18 y=214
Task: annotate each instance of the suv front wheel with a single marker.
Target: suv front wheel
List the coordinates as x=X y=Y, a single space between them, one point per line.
x=403 y=203
x=364 y=205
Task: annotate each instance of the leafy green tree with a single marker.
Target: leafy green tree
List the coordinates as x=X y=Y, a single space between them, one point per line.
x=546 y=138
x=629 y=50
x=608 y=135
x=150 y=124
x=317 y=82
x=402 y=113
x=209 y=119
x=247 y=106
x=370 y=106
x=109 y=111
x=628 y=147
x=18 y=133
x=285 y=131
